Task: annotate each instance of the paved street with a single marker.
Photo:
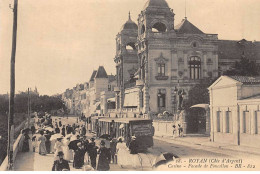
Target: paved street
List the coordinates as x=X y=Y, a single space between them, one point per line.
x=143 y=161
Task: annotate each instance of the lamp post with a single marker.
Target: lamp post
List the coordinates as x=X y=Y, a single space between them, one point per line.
x=178 y=99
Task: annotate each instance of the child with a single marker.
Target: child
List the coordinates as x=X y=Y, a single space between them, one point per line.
x=174 y=131
x=180 y=130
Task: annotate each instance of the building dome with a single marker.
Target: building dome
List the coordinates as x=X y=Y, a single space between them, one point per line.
x=156 y=3
x=129 y=25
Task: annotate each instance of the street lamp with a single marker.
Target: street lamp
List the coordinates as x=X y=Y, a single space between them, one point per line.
x=178 y=102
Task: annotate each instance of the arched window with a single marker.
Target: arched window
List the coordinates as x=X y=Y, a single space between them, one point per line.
x=159 y=28
x=161 y=69
x=130 y=46
x=142 y=29
x=161 y=98
x=195 y=66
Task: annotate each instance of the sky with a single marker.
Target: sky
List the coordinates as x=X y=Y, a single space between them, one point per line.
x=60 y=43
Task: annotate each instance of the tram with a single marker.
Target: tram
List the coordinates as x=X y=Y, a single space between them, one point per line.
x=141 y=128
x=94 y=123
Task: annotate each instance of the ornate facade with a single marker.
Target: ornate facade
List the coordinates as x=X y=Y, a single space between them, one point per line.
x=171 y=59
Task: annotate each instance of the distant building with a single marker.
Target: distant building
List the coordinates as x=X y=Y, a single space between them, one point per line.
x=234 y=110
x=230 y=51
x=85 y=99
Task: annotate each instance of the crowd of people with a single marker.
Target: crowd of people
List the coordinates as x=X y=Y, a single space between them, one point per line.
x=69 y=144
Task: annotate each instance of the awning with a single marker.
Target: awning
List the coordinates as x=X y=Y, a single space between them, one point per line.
x=111 y=99
x=131 y=99
x=205 y=106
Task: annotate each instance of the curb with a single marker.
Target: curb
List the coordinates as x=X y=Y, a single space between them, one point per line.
x=178 y=141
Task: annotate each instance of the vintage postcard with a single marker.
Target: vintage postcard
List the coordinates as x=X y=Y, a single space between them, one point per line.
x=130 y=85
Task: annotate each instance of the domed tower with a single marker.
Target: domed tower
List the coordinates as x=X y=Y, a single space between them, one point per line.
x=156 y=17
x=155 y=35
x=126 y=57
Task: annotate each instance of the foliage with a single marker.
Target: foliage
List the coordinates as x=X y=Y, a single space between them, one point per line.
x=199 y=93
x=38 y=103
x=244 y=67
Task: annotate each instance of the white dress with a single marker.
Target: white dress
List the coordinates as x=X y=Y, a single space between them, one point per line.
x=57 y=147
x=52 y=145
x=68 y=153
x=122 y=154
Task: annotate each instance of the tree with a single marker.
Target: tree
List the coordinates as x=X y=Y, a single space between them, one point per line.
x=244 y=67
x=199 y=93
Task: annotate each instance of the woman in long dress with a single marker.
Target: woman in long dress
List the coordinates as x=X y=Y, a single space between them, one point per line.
x=104 y=157
x=68 y=153
x=58 y=147
x=42 y=147
x=122 y=153
x=53 y=141
x=48 y=142
x=26 y=142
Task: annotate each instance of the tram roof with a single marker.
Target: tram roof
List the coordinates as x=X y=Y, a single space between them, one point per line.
x=123 y=120
x=97 y=117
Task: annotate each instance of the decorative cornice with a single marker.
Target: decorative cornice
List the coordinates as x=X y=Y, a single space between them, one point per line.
x=161 y=59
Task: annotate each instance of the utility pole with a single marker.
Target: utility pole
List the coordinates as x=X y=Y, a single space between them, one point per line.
x=28 y=124
x=12 y=91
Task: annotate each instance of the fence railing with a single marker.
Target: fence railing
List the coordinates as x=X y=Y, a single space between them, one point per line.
x=17 y=146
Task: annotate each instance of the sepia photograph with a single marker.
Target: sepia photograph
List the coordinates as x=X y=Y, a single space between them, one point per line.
x=129 y=85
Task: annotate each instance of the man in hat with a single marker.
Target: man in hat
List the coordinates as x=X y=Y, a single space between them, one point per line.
x=92 y=152
x=104 y=157
x=79 y=154
x=133 y=146
x=60 y=164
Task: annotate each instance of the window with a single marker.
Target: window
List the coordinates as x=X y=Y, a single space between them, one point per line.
x=130 y=46
x=161 y=98
x=219 y=121
x=161 y=69
x=143 y=29
x=228 y=122
x=142 y=99
x=109 y=88
x=195 y=65
x=194 y=44
x=159 y=28
x=246 y=127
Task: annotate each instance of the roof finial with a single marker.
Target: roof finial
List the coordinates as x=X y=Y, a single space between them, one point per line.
x=129 y=15
x=185 y=10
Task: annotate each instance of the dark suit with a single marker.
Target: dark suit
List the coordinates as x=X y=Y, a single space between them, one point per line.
x=59 y=166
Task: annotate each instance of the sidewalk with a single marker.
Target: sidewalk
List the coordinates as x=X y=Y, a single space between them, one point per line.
x=191 y=140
